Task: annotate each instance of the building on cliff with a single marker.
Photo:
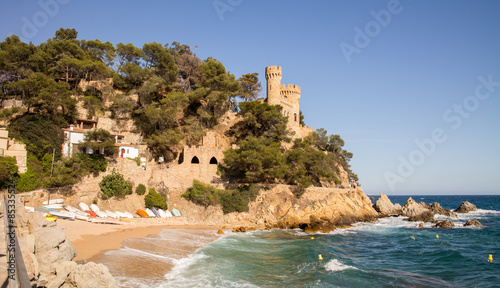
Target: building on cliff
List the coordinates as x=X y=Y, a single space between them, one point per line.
x=10 y=147
x=288 y=97
x=74 y=135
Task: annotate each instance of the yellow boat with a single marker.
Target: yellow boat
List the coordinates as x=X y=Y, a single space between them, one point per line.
x=50 y=218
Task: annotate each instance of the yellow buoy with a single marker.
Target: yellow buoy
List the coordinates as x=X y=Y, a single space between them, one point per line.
x=320 y=257
x=437 y=236
x=312 y=238
x=490 y=258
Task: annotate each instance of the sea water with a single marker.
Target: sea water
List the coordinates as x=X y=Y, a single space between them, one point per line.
x=388 y=253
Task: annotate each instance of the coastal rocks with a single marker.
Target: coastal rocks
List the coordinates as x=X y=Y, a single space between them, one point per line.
x=472 y=222
x=220 y=232
x=436 y=208
x=412 y=208
x=427 y=216
x=47 y=254
x=323 y=225
x=466 y=207
x=444 y=224
x=384 y=206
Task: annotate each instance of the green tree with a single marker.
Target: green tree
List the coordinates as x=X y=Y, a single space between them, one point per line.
x=153 y=199
x=160 y=60
x=140 y=189
x=100 y=141
x=8 y=168
x=115 y=185
x=256 y=160
x=66 y=34
x=250 y=86
x=261 y=120
x=165 y=144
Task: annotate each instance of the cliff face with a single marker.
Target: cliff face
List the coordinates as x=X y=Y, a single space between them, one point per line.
x=277 y=206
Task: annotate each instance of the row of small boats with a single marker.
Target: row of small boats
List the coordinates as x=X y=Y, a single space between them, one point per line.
x=54 y=209
x=158 y=213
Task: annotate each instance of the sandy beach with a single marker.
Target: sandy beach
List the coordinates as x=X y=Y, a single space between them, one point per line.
x=91 y=239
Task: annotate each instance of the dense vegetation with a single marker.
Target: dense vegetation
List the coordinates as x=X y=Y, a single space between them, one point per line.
x=173 y=97
x=236 y=200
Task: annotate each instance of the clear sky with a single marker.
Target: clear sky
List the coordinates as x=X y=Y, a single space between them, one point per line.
x=413 y=87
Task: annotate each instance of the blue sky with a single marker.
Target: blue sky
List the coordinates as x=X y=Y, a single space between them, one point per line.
x=384 y=75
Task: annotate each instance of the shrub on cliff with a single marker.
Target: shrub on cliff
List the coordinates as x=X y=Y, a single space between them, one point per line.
x=153 y=199
x=202 y=194
x=8 y=168
x=140 y=189
x=115 y=185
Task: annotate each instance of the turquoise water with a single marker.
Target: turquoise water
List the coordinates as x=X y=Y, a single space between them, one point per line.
x=388 y=253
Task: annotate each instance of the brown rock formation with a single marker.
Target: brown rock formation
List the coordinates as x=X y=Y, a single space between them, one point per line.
x=412 y=208
x=472 y=222
x=427 y=216
x=466 y=207
x=385 y=206
x=444 y=224
x=47 y=255
x=436 y=208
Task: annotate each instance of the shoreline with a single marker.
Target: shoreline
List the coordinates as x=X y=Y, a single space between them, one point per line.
x=93 y=239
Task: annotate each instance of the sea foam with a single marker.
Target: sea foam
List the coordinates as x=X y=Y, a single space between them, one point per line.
x=335 y=265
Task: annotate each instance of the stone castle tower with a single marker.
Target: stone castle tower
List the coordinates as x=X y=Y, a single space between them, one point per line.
x=287 y=96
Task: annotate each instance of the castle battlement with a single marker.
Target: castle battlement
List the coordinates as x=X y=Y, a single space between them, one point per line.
x=290 y=89
x=273 y=72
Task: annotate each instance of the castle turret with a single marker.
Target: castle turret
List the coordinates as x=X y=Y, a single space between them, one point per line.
x=273 y=77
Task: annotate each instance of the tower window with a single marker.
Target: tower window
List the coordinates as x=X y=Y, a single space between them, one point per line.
x=195 y=160
x=295 y=117
x=213 y=160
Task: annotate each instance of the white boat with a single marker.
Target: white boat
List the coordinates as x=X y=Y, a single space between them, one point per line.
x=30 y=209
x=150 y=213
x=94 y=208
x=169 y=214
x=63 y=214
x=53 y=201
x=111 y=214
x=129 y=215
x=101 y=214
x=53 y=206
x=83 y=206
x=121 y=214
x=162 y=213
x=82 y=217
x=72 y=209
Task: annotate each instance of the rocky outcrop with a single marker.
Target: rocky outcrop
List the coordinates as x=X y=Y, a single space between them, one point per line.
x=427 y=216
x=412 y=208
x=47 y=254
x=384 y=206
x=466 y=207
x=436 y=208
x=444 y=224
x=472 y=222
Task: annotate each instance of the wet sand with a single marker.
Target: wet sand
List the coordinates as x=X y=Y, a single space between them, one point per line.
x=91 y=239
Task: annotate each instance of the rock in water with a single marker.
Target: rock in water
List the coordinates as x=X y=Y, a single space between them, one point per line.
x=472 y=222
x=444 y=224
x=220 y=232
x=412 y=208
x=438 y=209
x=385 y=206
x=427 y=216
x=466 y=207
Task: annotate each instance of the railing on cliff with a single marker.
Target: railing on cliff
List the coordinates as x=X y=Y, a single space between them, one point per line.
x=17 y=274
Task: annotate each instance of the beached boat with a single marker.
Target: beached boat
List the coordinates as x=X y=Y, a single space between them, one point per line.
x=150 y=213
x=169 y=214
x=53 y=206
x=42 y=209
x=162 y=213
x=121 y=214
x=50 y=218
x=176 y=212
x=155 y=212
x=128 y=220
x=84 y=206
x=82 y=217
x=129 y=215
x=63 y=214
x=91 y=213
x=101 y=214
x=53 y=201
x=94 y=208
x=112 y=214
x=142 y=213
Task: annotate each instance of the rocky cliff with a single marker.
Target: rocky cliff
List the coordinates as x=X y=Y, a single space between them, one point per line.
x=47 y=254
